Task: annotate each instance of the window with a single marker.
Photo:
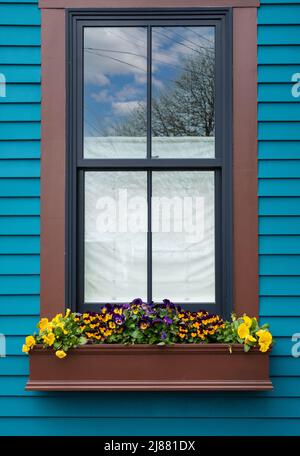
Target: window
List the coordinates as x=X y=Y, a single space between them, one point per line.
x=149 y=165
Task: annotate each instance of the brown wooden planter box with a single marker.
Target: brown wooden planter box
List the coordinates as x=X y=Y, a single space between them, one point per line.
x=148 y=367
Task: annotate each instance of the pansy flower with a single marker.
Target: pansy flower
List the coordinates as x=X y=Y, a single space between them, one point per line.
x=119 y=319
x=167 y=320
x=145 y=322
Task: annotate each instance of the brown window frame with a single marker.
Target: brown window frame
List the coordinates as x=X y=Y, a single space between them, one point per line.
x=53 y=157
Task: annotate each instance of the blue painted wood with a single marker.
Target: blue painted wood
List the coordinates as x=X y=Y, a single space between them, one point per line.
x=273 y=2
x=288 y=365
x=22 y=93
x=278 y=150
x=276 y=306
x=276 y=206
x=18 y=326
x=279 y=245
x=157 y=406
x=279 y=225
x=19 y=149
x=21 y=73
x=279 y=168
x=279 y=131
x=276 y=73
x=20 y=55
x=278 y=112
x=19 y=187
x=20 y=112
x=20 y=130
x=278 y=54
x=280 y=286
x=19 y=305
x=15 y=14
x=19 y=285
x=20 y=168
x=281 y=34
x=19 y=264
x=275 y=265
x=19 y=245
x=149 y=427
x=276 y=92
x=283 y=326
x=19 y=206
x=276 y=187
x=27 y=36
x=19 y=225
x=279 y=14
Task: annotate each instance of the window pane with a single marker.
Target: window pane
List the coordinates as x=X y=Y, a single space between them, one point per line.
x=115 y=236
x=183 y=240
x=183 y=94
x=115 y=92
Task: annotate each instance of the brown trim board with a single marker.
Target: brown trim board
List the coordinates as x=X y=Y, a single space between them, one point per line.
x=146 y=3
x=53 y=163
x=245 y=243
x=245 y=210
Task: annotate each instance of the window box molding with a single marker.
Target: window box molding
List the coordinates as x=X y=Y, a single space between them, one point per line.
x=200 y=367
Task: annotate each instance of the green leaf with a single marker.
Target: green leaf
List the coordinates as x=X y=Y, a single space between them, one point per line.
x=246 y=348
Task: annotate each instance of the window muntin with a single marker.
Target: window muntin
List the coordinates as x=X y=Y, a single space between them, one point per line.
x=216 y=158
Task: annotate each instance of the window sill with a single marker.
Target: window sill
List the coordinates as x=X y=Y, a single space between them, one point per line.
x=183 y=367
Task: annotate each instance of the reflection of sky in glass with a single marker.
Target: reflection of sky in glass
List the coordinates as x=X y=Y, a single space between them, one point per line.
x=115 y=91
x=172 y=47
x=115 y=76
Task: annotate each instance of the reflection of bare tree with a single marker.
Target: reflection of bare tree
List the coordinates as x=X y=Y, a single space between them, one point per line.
x=184 y=109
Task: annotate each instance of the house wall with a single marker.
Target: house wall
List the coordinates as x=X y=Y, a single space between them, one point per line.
x=36 y=413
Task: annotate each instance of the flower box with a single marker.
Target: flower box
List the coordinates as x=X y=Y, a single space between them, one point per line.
x=113 y=367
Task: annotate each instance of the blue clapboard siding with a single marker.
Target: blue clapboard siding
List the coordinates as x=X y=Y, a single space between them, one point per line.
x=279 y=180
x=276 y=73
x=35 y=413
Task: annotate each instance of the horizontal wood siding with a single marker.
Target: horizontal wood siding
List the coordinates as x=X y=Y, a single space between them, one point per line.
x=36 y=413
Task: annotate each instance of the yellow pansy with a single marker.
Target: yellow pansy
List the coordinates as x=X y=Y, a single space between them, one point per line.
x=57 y=319
x=260 y=332
x=43 y=324
x=49 y=339
x=25 y=348
x=243 y=331
x=247 y=320
x=263 y=348
x=265 y=338
x=68 y=312
x=62 y=327
x=60 y=354
x=250 y=339
x=30 y=341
